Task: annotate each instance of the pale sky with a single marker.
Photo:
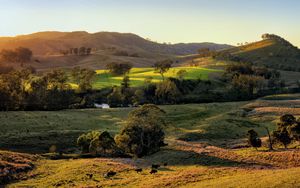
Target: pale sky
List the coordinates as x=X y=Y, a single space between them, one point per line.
x=220 y=21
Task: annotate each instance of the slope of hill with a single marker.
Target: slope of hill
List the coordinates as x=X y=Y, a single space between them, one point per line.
x=43 y=43
x=273 y=51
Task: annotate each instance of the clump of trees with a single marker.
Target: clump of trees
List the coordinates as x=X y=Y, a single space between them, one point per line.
x=18 y=55
x=288 y=129
x=286 y=132
x=118 y=68
x=77 y=51
x=98 y=143
x=246 y=80
x=141 y=135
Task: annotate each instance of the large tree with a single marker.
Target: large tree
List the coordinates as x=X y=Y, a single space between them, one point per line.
x=83 y=78
x=143 y=132
x=163 y=66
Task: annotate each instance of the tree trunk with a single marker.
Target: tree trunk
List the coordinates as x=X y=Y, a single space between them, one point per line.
x=270 y=140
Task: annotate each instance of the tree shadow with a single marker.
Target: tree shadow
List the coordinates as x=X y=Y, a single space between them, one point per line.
x=187 y=158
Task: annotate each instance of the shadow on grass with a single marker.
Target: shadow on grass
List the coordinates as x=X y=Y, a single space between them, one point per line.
x=187 y=158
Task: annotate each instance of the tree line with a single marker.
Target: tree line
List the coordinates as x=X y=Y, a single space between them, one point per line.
x=240 y=81
x=26 y=90
x=77 y=51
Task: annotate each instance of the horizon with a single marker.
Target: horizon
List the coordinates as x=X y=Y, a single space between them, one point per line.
x=230 y=22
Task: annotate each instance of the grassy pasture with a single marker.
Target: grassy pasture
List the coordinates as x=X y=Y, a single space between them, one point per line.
x=205 y=162
x=37 y=131
x=138 y=75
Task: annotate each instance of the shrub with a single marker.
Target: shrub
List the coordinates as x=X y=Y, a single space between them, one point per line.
x=253 y=139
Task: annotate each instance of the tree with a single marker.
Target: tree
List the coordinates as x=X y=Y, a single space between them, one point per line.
x=57 y=79
x=162 y=67
x=102 y=143
x=282 y=135
x=118 y=68
x=19 y=55
x=115 y=98
x=75 y=51
x=86 y=78
x=82 y=51
x=84 y=140
x=24 y=55
x=83 y=78
x=139 y=97
x=143 y=132
x=285 y=129
x=88 y=51
x=8 y=56
x=246 y=85
x=167 y=92
x=253 y=139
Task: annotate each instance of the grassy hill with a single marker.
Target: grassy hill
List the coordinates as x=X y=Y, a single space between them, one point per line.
x=44 y=43
x=272 y=52
x=106 y=48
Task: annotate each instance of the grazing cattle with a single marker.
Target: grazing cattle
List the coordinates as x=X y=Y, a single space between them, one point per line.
x=138 y=170
x=153 y=171
x=165 y=164
x=155 y=166
x=90 y=176
x=110 y=174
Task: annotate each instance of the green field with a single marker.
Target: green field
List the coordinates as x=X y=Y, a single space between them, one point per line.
x=207 y=160
x=37 y=131
x=138 y=75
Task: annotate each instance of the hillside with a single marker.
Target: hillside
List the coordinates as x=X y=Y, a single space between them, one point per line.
x=106 y=47
x=44 y=43
x=273 y=51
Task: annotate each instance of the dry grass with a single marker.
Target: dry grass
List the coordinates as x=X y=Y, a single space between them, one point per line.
x=189 y=164
x=13 y=165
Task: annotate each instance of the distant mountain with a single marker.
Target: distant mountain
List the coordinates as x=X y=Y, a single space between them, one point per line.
x=44 y=43
x=273 y=52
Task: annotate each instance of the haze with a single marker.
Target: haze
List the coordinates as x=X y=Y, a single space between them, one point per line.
x=221 y=21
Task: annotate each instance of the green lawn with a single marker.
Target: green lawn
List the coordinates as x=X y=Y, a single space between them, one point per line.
x=138 y=75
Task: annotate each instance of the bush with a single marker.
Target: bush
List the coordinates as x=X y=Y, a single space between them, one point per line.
x=253 y=139
x=96 y=142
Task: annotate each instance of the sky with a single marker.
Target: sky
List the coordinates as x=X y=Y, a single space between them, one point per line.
x=220 y=21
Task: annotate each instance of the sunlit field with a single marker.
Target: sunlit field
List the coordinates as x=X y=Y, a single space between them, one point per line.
x=138 y=75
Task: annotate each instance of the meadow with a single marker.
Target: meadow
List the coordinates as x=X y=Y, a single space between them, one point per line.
x=206 y=147
x=138 y=75
x=36 y=131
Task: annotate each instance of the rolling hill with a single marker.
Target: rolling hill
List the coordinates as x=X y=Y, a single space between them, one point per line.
x=44 y=43
x=46 y=47
x=273 y=52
